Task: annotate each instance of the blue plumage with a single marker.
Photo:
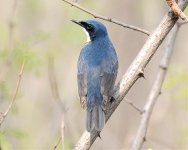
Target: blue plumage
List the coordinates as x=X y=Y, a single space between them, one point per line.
x=97 y=70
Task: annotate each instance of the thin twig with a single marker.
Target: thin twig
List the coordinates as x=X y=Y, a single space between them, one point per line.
x=10 y=40
x=53 y=83
x=155 y=90
x=63 y=131
x=10 y=48
x=57 y=144
x=108 y=18
x=180 y=23
x=56 y=95
x=133 y=73
x=11 y=26
x=133 y=105
x=2 y=119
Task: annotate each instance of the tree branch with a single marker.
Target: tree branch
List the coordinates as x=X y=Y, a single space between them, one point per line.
x=155 y=90
x=53 y=83
x=176 y=10
x=56 y=96
x=133 y=105
x=11 y=27
x=3 y=116
x=57 y=144
x=107 y=18
x=134 y=72
x=180 y=23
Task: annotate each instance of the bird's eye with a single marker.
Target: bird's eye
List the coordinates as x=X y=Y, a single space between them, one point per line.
x=89 y=27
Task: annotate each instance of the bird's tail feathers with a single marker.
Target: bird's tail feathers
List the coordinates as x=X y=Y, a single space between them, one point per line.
x=95 y=118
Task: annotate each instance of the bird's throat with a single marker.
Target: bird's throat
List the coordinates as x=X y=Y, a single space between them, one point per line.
x=87 y=35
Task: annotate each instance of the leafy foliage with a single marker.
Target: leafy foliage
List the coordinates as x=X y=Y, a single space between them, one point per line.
x=23 y=52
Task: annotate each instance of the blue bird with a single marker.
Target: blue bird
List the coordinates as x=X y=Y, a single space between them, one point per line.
x=97 y=69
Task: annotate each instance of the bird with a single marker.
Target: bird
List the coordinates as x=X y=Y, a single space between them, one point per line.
x=97 y=69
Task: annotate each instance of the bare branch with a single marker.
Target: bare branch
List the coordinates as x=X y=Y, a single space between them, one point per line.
x=155 y=90
x=2 y=118
x=108 y=18
x=180 y=23
x=56 y=95
x=11 y=25
x=53 y=83
x=57 y=144
x=10 y=48
x=133 y=105
x=63 y=131
x=132 y=74
x=176 y=10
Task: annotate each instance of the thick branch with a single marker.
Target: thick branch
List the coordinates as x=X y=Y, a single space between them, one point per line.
x=107 y=18
x=155 y=90
x=134 y=72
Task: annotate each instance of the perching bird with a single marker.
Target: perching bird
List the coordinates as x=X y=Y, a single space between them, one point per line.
x=96 y=73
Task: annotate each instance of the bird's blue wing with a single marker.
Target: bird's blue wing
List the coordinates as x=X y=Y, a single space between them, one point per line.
x=82 y=77
x=82 y=89
x=108 y=77
x=107 y=83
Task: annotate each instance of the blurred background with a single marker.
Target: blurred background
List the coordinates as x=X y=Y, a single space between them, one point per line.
x=41 y=32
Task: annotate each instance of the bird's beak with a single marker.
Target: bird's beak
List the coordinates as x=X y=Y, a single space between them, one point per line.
x=77 y=22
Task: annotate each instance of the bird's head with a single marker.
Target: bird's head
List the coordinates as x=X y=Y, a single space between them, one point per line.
x=94 y=28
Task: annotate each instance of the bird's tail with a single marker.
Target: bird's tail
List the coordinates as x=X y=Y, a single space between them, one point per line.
x=95 y=118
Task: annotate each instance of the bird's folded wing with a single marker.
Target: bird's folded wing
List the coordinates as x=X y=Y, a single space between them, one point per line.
x=107 y=83
x=82 y=88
